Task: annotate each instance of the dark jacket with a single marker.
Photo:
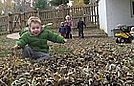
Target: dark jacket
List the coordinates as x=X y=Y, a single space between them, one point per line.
x=80 y=24
x=62 y=29
x=68 y=28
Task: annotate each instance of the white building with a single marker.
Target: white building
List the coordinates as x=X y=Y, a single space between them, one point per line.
x=114 y=12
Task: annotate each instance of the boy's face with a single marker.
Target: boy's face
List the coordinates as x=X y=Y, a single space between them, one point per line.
x=35 y=28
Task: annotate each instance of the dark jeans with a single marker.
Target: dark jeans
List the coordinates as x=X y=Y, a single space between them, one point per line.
x=68 y=35
x=81 y=34
x=27 y=52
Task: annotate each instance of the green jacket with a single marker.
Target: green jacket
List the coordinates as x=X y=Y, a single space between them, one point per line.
x=39 y=43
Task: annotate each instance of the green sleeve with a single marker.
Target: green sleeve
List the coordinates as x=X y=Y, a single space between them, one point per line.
x=23 y=40
x=23 y=31
x=54 y=37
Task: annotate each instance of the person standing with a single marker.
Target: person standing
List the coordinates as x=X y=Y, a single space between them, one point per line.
x=62 y=29
x=80 y=27
x=68 y=30
x=69 y=23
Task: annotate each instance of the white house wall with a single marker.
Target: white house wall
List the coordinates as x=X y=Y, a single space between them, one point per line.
x=102 y=15
x=114 y=12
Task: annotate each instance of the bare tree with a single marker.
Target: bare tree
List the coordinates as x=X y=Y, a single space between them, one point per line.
x=22 y=5
x=6 y=6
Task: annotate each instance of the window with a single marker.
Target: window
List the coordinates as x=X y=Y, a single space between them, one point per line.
x=132 y=8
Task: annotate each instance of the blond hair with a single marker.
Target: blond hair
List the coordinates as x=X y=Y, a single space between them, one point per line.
x=33 y=19
x=61 y=22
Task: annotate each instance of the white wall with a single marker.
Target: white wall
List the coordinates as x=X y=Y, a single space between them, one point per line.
x=102 y=15
x=117 y=12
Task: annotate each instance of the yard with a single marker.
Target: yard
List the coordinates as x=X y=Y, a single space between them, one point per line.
x=79 y=62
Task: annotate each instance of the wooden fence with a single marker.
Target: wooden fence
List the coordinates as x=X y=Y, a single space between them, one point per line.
x=16 y=21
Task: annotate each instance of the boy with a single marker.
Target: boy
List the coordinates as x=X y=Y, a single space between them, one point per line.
x=70 y=24
x=68 y=31
x=34 y=41
x=80 y=28
x=62 y=29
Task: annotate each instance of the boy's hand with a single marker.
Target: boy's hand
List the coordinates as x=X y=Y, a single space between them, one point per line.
x=16 y=47
x=65 y=40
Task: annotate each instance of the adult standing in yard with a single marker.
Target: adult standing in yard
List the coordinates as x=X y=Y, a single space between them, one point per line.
x=69 y=23
x=80 y=25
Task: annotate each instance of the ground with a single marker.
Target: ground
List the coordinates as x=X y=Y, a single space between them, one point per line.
x=92 y=61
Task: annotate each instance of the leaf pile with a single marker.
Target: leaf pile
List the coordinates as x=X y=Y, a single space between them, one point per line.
x=79 y=62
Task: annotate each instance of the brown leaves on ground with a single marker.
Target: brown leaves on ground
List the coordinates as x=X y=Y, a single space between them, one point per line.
x=79 y=62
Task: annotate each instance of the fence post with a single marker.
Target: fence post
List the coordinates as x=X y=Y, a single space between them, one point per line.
x=10 y=29
x=37 y=13
x=63 y=11
x=98 y=25
x=23 y=22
